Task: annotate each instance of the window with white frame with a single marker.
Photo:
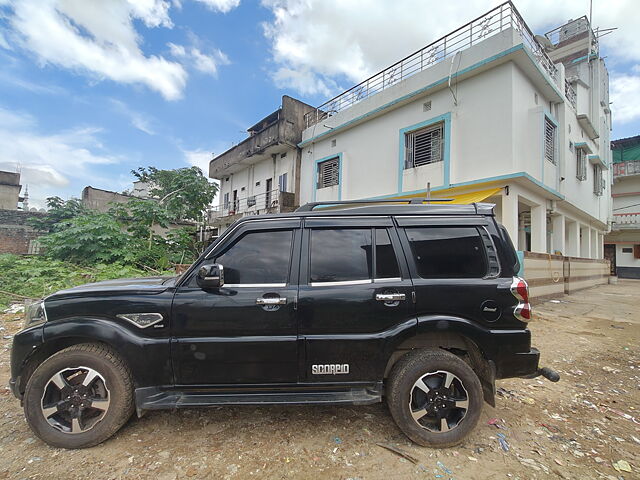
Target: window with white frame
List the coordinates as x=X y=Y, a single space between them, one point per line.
x=329 y=173
x=225 y=202
x=598 y=180
x=424 y=146
x=581 y=164
x=549 y=140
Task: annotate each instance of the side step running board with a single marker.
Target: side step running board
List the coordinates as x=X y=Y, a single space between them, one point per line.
x=153 y=398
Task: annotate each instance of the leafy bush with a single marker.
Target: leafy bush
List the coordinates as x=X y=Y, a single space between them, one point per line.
x=37 y=276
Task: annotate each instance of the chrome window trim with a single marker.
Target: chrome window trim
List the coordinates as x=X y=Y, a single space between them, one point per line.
x=343 y=282
x=387 y=280
x=254 y=285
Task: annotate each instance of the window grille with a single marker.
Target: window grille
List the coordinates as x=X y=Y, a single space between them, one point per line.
x=549 y=140
x=424 y=146
x=598 y=180
x=329 y=173
x=581 y=164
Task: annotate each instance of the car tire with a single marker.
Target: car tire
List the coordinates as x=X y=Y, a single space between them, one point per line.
x=64 y=412
x=419 y=408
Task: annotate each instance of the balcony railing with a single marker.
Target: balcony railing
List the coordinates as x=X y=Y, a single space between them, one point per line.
x=495 y=21
x=266 y=202
x=625 y=169
x=626 y=220
x=570 y=93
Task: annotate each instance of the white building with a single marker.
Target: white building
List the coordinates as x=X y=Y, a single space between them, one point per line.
x=261 y=174
x=487 y=113
x=622 y=244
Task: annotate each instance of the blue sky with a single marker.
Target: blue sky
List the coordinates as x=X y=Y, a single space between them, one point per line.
x=90 y=89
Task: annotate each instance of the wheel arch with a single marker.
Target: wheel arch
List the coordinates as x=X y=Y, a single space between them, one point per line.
x=457 y=336
x=142 y=355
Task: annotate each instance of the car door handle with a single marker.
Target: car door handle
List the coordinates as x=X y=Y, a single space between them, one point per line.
x=271 y=301
x=390 y=297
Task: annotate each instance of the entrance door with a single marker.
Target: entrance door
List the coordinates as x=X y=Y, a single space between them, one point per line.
x=268 y=195
x=245 y=331
x=610 y=254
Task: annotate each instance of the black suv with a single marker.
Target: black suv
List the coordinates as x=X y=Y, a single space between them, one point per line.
x=340 y=304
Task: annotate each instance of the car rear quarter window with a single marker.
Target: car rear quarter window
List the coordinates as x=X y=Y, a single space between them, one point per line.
x=258 y=258
x=447 y=252
x=340 y=255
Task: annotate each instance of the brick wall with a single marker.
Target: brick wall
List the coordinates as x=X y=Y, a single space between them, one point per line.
x=15 y=231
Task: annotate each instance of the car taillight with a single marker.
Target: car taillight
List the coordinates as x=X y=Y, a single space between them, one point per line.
x=520 y=290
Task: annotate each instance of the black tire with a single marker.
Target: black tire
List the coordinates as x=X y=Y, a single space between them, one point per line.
x=115 y=378
x=415 y=366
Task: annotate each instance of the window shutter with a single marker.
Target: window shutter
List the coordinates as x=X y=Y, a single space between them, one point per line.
x=549 y=140
x=329 y=173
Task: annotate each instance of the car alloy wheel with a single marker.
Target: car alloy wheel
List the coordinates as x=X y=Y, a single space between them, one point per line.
x=438 y=401
x=75 y=400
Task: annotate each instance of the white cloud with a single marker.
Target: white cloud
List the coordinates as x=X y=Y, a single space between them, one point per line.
x=138 y=120
x=315 y=42
x=202 y=62
x=625 y=96
x=99 y=39
x=49 y=162
x=198 y=158
x=223 y=6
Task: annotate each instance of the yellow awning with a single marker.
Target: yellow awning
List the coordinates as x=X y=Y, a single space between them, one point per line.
x=458 y=198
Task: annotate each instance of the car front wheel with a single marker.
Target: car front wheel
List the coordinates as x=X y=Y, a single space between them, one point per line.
x=79 y=397
x=434 y=397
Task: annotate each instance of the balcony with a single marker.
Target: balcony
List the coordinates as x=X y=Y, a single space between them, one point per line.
x=626 y=169
x=499 y=19
x=273 y=134
x=273 y=201
x=626 y=221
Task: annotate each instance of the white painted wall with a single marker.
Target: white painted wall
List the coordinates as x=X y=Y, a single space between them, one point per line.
x=259 y=173
x=496 y=131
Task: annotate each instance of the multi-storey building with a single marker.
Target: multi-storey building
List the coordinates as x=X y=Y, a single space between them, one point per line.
x=489 y=112
x=261 y=174
x=622 y=244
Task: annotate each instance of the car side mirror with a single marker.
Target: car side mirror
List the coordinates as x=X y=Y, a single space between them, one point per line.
x=210 y=276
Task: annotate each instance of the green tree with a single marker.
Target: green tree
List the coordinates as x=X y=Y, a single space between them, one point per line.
x=88 y=238
x=185 y=192
x=58 y=211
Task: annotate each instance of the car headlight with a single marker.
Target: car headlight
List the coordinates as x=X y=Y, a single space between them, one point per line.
x=35 y=314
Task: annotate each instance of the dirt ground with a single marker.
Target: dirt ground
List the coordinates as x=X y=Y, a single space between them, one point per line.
x=579 y=428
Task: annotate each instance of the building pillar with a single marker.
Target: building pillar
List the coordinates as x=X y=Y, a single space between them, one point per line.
x=510 y=216
x=573 y=244
x=539 y=229
x=558 y=234
x=585 y=242
x=594 y=243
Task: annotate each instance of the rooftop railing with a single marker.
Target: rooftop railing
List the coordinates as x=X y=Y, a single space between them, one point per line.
x=571 y=29
x=493 y=22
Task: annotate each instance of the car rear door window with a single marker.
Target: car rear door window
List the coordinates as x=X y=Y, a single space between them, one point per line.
x=258 y=258
x=386 y=261
x=447 y=252
x=340 y=255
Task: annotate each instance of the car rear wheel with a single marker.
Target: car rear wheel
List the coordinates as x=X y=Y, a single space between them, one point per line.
x=79 y=397
x=434 y=397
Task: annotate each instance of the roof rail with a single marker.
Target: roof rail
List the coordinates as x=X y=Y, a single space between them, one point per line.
x=308 y=207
